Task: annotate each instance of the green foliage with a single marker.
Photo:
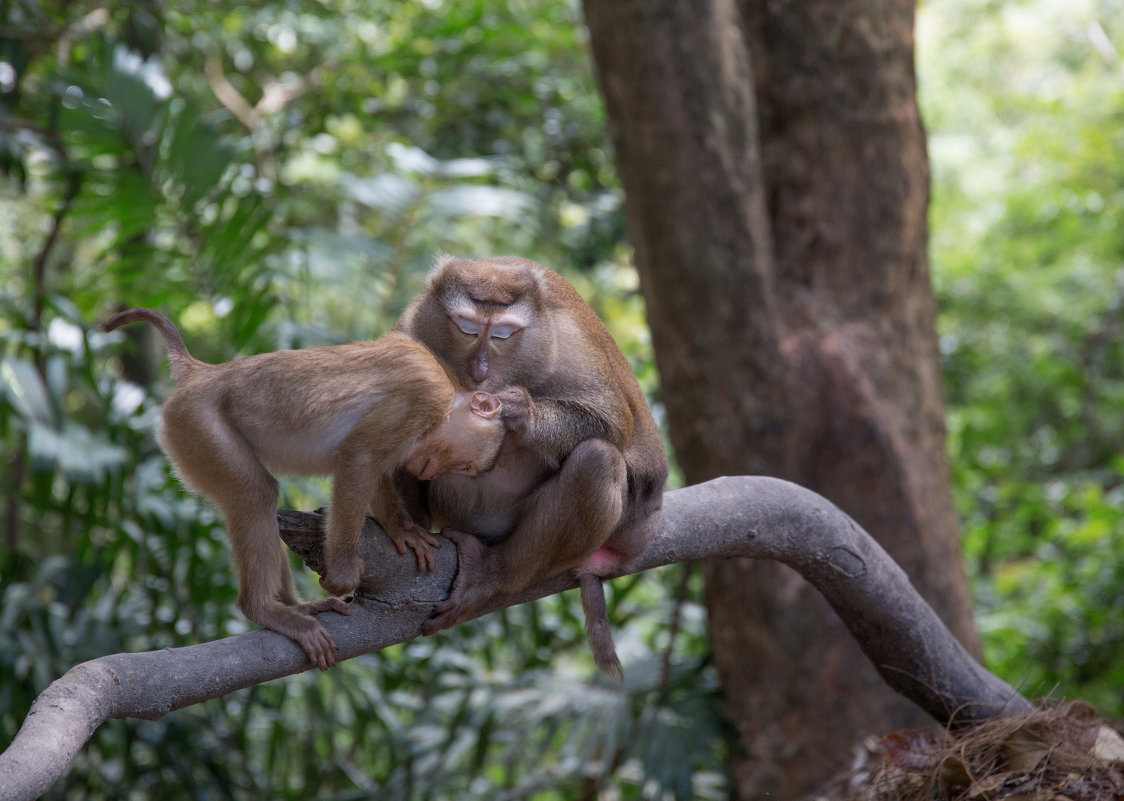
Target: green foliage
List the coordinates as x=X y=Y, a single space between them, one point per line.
x=280 y=176
x=1025 y=109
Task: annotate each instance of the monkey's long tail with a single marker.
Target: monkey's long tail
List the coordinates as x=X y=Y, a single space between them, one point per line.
x=592 y=590
x=177 y=351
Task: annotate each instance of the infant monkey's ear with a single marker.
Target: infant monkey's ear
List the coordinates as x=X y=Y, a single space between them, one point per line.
x=485 y=404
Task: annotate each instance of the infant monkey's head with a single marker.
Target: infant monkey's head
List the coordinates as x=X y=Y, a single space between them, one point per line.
x=467 y=443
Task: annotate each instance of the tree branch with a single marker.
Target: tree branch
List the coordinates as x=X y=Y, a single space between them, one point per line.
x=760 y=518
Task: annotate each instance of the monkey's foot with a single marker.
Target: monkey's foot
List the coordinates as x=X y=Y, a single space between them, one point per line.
x=319 y=646
x=471 y=587
x=309 y=633
x=415 y=537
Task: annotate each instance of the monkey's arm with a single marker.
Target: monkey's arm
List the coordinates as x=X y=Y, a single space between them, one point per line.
x=554 y=427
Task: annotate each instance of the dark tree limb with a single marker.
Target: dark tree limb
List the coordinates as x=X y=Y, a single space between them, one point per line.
x=760 y=518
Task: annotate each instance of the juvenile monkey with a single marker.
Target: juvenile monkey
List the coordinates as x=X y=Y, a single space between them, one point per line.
x=580 y=477
x=358 y=412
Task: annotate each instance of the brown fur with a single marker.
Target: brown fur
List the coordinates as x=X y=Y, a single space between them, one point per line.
x=579 y=483
x=358 y=412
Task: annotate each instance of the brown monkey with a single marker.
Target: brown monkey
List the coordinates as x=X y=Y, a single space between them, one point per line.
x=358 y=412
x=579 y=482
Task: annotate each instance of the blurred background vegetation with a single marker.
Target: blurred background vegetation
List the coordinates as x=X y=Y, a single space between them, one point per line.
x=280 y=175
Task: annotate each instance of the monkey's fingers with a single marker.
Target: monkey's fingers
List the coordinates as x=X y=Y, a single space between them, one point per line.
x=424 y=542
x=425 y=557
x=420 y=541
x=423 y=554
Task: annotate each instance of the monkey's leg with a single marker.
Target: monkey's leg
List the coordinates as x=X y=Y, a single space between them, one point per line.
x=266 y=594
x=354 y=481
x=233 y=478
x=563 y=521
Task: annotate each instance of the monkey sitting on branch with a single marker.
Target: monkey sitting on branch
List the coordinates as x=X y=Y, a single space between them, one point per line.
x=580 y=479
x=358 y=412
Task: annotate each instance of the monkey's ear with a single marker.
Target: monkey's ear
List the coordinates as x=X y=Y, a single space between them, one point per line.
x=485 y=404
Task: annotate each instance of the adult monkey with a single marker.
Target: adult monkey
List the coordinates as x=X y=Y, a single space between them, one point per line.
x=580 y=477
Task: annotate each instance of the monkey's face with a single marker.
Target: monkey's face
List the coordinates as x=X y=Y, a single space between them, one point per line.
x=466 y=444
x=484 y=341
x=483 y=318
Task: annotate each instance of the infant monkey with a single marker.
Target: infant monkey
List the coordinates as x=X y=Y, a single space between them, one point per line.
x=358 y=412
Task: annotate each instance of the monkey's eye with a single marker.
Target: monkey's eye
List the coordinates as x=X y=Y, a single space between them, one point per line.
x=503 y=331
x=468 y=326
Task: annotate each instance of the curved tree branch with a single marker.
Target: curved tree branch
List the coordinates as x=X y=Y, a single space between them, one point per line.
x=755 y=517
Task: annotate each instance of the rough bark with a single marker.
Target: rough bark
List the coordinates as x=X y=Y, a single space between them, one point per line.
x=751 y=517
x=776 y=185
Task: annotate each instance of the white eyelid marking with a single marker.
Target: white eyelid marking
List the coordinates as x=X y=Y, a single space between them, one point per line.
x=503 y=331
x=467 y=325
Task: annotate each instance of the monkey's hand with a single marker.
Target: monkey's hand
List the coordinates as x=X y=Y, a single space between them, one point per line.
x=411 y=535
x=470 y=589
x=516 y=408
x=342 y=574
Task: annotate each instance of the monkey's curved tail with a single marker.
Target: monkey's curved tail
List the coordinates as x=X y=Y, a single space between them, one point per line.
x=592 y=589
x=177 y=351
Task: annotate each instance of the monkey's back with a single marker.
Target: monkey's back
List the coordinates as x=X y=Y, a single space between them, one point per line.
x=644 y=453
x=295 y=407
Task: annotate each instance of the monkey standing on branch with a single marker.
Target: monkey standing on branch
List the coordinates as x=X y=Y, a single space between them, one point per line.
x=580 y=477
x=358 y=412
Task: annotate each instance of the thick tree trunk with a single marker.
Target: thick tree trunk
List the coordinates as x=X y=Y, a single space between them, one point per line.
x=776 y=179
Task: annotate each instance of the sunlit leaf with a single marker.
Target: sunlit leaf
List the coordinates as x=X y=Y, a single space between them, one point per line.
x=25 y=390
x=391 y=193
x=484 y=201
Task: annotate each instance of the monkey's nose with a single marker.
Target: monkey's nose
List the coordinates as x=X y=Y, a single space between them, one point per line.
x=478 y=366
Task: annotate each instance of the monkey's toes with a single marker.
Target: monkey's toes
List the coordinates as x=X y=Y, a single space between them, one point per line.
x=448 y=614
x=434 y=625
x=320 y=648
x=331 y=604
x=341 y=605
